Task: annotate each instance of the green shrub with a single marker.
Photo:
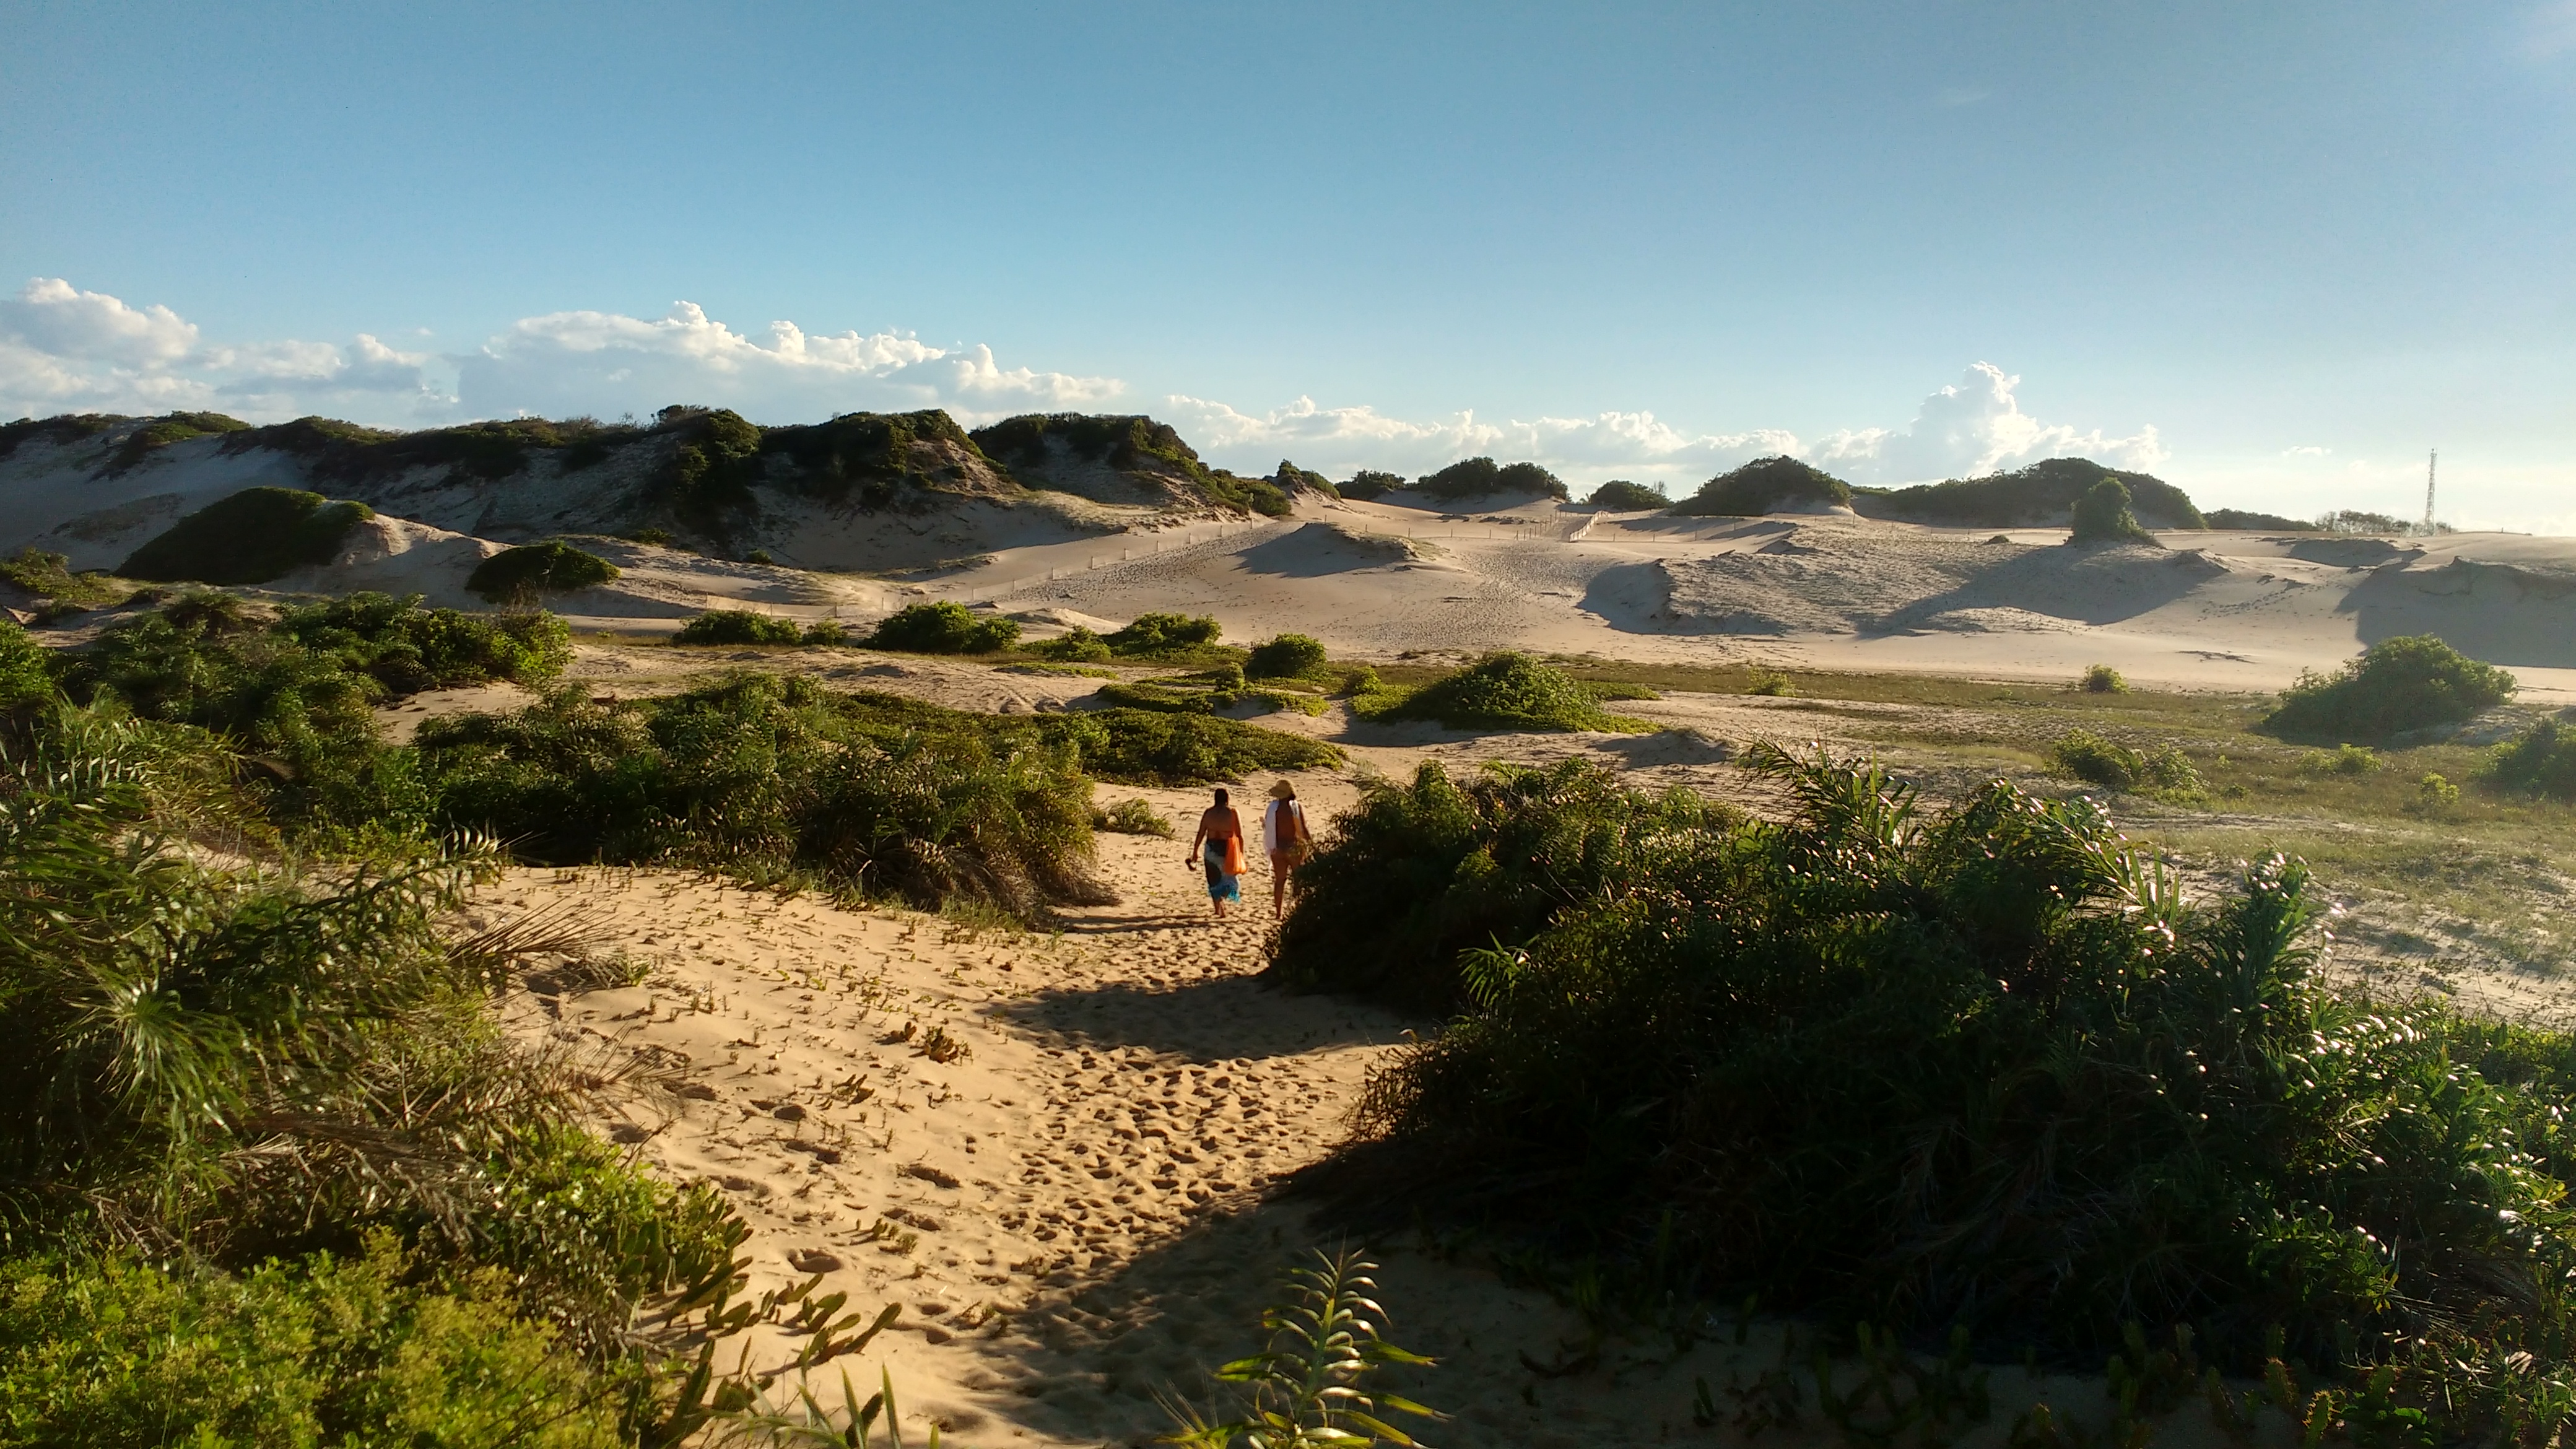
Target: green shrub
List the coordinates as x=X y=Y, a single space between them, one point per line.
x=112 y=1351
x=2540 y=759
x=738 y=626
x=26 y=673
x=2114 y=766
x=2102 y=516
x=1621 y=496
x=2103 y=679
x=1767 y=485
x=61 y=430
x=1290 y=475
x=1076 y=645
x=2435 y=794
x=1986 y=1068
x=161 y=432
x=249 y=538
x=825 y=634
x=1150 y=634
x=1149 y=747
x=2238 y=518
x=1416 y=873
x=1289 y=656
x=1133 y=817
x=1370 y=483
x=2410 y=682
x=50 y=576
x=1774 y=682
x=1480 y=477
x=771 y=778
x=945 y=627
x=2042 y=493
x=517 y=573
x=2341 y=760
x=1505 y=690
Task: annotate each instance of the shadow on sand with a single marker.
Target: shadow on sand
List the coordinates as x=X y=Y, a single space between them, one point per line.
x=1207 y=1021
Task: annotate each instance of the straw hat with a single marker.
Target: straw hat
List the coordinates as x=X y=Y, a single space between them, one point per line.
x=1283 y=791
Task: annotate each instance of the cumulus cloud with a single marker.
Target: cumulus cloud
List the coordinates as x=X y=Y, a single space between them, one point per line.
x=1970 y=428
x=1346 y=439
x=602 y=362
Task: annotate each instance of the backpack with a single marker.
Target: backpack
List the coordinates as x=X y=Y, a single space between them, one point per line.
x=1294 y=849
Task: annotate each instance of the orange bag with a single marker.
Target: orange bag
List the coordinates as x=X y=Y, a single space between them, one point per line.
x=1234 y=853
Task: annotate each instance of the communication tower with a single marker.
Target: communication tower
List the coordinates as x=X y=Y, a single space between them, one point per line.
x=2431 y=461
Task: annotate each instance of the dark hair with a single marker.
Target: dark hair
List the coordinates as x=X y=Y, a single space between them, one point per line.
x=1220 y=796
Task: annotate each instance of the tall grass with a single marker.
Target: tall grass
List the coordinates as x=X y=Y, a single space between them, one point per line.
x=1988 y=1068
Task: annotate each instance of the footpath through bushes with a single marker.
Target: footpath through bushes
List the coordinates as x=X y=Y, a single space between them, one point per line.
x=1982 y=1069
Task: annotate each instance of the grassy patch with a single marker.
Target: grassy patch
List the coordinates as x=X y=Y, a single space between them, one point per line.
x=1503 y=690
x=49 y=576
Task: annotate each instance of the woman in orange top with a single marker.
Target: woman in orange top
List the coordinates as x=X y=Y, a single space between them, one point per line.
x=1218 y=848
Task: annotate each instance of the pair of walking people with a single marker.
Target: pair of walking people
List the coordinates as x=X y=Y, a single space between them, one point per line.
x=1219 y=847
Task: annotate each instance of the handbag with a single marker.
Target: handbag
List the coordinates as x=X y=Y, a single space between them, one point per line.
x=1293 y=852
x=1234 y=853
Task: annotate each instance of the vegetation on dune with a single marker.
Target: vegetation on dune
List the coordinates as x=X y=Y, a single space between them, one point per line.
x=2164 y=770
x=1503 y=690
x=1289 y=477
x=1129 y=443
x=738 y=626
x=773 y=779
x=707 y=483
x=269 y=1170
x=1419 y=872
x=1767 y=485
x=2401 y=684
x=1076 y=645
x=2240 y=518
x=946 y=627
x=351 y=455
x=1151 y=747
x=2102 y=679
x=1482 y=477
x=868 y=458
x=519 y=574
x=2357 y=520
x=1288 y=656
x=58 y=430
x=1987 y=1068
x=1370 y=483
x=161 y=432
x=2102 y=516
x=1621 y=496
x=2540 y=759
x=2043 y=493
x=50 y=576
x=1152 y=635
x=249 y=538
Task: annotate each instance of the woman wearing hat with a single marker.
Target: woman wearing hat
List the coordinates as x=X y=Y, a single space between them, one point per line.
x=1285 y=837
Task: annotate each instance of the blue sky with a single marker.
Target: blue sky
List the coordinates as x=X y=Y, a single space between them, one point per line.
x=2271 y=252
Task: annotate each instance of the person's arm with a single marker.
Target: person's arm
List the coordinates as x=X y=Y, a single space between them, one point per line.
x=1199 y=839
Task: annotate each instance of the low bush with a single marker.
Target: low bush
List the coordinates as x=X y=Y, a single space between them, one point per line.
x=946 y=627
x=1150 y=747
x=1482 y=477
x=2103 y=679
x=1152 y=634
x=2114 y=766
x=1370 y=483
x=50 y=576
x=2411 y=682
x=1289 y=656
x=2540 y=759
x=1774 y=682
x=2043 y=493
x=2435 y=794
x=825 y=634
x=1767 y=485
x=2238 y=518
x=251 y=537
x=518 y=574
x=1133 y=817
x=161 y=432
x=1418 y=872
x=1988 y=1069
x=1621 y=496
x=1505 y=690
x=2341 y=760
x=1076 y=645
x=772 y=779
x=2102 y=516
x=738 y=626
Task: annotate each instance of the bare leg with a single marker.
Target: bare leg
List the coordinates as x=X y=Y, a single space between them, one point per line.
x=1278 y=888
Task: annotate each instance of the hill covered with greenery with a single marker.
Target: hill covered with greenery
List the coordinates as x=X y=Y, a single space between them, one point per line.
x=2042 y=494
x=1768 y=485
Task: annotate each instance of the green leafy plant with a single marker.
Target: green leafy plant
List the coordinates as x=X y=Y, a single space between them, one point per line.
x=1621 y=496
x=2540 y=759
x=2102 y=516
x=2341 y=760
x=1767 y=485
x=2042 y=493
x=1505 y=690
x=1313 y=1381
x=250 y=537
x=2435 y=794
x=2102 y=679
x=530 y=569
x=945 y=627
x=1133 y=816
x=1077 y=645
x=1161 y=634
x=1761 y=679
x=1289 y=656
x=2398 y=685
x=1370 y=483
x=49 y=576
x=738 y=626
x=2098 y=761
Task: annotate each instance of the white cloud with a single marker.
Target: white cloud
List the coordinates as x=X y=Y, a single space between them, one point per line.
x=1972 y=428
x=2305 y=450
x=601 y=362
x=1343 y=440
x=52 y=316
